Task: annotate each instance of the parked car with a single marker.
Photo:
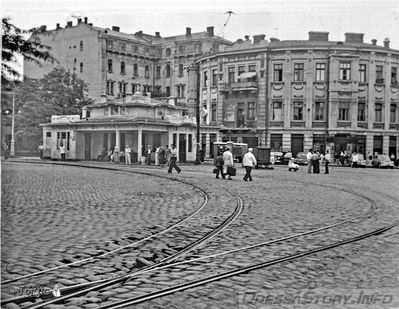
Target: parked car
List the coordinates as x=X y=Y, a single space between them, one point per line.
x=301 y=158
x=382 y=161
x=276 y=157
x=287 y=157
x=361 y=162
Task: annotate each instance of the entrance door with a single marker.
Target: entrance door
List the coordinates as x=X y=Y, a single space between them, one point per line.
x=87 y=146
x=182 y=148
x=296 y=144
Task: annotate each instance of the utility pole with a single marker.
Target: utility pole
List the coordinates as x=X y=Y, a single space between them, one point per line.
x=12 y=146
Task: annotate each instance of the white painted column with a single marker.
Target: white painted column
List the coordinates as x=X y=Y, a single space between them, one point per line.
x=109 y=140
x=118 y=139
x=139 y=144
x=385 y=145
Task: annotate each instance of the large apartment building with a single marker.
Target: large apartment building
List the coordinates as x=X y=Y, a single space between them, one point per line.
x=114 y=63
x=302 y=94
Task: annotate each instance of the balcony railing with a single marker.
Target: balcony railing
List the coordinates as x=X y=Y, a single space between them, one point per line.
x=378 y=125
x=251 y=85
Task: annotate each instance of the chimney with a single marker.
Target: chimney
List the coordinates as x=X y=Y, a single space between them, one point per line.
x=79 y=20
x=57 y=26
x=273 y=40
x=210 y=31
x=115 y=28
x=386 y=43
x=43 y=28
x=258 y=38
x=374 y=41
x=247 y=38
x=69 y=24
x=157 y=34
x=351 y=37
x=188 y=32
x=90 y=24
x=85 y=20
x=318 y=36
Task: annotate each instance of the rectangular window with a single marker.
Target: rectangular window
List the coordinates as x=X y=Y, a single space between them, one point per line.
x=379 y=74
x=146 y=50
x=167 y=89
x=262 y=64
x=135 y=69
x=174 y=139
x=190 y=143
x=213 y=111
x=240 y=115
x=123 y=68
x=344 y=70
x=110 y=65
x=181 y=49
x=205 y=79
x=135 y=88
x=214 y=77
x=123 y=46
x=181 y=69
x=231 y=75
x=319 y=110
x=158 y=73
x=63 y=138
x=361 y=111
x=343 y=111
x=110 y=87
x=114 y=110
x=320 y=72
x=392 y=114
x=147 y=71
x=378 y=112
x=252 y=68
x=81 y=45
x=278 y=72
x=298 y=111
x=110 y=44
x=277 y=111
x=251 y=110
x=298 y=72
x=394 y=76
x=81 y=67
x=180 y=91
x=241 y=70
x=362 y=73
x=135 y=48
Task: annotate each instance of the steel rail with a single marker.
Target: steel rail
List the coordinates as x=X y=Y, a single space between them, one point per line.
x=200 y=282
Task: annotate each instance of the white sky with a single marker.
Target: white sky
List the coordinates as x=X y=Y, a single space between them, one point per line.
x=284 y=19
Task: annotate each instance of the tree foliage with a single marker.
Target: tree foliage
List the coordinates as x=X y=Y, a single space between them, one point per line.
x=15 y=42
x=36 y=100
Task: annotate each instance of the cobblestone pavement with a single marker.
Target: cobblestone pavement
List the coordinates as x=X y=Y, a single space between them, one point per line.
x=54 y=214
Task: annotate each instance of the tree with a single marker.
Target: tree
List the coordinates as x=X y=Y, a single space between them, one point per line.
x=15 y=42
x=57 y=93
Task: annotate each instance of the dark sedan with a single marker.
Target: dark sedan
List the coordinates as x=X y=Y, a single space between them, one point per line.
x=301 y=159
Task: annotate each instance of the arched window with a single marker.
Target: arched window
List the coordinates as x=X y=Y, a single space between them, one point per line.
x=167 y=70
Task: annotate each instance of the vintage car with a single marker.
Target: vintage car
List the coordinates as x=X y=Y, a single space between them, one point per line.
x=287 y=157
x=276 y=157
x=301 y=158
x=382 y=161
x=361 y=162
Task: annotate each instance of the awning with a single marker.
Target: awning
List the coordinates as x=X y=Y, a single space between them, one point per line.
x=247 y=75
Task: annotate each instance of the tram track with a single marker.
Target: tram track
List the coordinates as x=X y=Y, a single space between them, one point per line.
x=202 y=239
x=168 y=264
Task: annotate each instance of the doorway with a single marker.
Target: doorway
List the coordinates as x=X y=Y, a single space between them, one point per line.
x=87 y=146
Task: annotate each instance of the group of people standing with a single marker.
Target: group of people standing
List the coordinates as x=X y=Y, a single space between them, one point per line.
x=314 y=158
x=224 y=164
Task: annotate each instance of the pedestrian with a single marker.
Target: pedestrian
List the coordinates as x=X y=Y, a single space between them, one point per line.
x=355 y=159
x=167 y=154
x=342 y=157
x=116 y=155
x=40 y=148
x=110 y=155
x=161 y=155
x=228 y=161
x=248 y=161
x=327 y=161
x=148 y=155
x=392 y=157
x=5 y=150
x=128 y=155
x=315 y=163
x=157 y=156
x=219 y=165
x=309 y=159
x=62 y=152
x=173 y=158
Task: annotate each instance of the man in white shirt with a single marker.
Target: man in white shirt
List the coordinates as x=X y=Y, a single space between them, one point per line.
x=355 y=159
x=173 y=158
x=248 y=161
x=228 y=161
x=128 y=153
x=309 y=159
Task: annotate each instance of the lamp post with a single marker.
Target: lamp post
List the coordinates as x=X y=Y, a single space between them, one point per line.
x=12 y=145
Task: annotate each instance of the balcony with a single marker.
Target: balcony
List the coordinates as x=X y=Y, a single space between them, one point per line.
x=379 y=81
x=363 y=125
x=319 y=124
x=378 y=125
x=244 y=85
x=343 y=124
x=297 y=124
x=393 y=126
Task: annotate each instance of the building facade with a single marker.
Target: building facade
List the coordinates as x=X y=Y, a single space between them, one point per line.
x=297 y=95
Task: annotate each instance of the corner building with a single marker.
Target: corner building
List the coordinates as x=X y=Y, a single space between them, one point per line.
x=301 y=94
